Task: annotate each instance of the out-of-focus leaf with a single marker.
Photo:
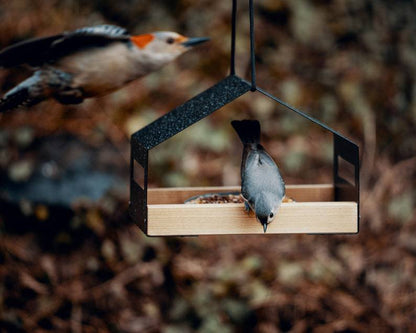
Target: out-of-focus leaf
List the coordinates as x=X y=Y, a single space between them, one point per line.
x=402 y=207
x=289 y=272
x=236 y=310
x=24 y=136
x=20 y=171
x=108 y=250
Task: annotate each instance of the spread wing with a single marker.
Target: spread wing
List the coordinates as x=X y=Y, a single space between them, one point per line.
x=38 y=51
x=31 y=51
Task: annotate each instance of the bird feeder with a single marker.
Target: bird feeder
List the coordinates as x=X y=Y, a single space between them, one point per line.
x=319 y=209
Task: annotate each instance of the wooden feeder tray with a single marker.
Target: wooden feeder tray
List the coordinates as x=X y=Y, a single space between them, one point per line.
x=316 y=209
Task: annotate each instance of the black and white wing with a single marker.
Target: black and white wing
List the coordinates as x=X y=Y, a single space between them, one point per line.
x=38 y=51
x=32 y=51
x=105 y=30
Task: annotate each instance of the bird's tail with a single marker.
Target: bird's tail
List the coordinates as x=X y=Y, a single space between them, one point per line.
x=27 y=93
x=247 y=130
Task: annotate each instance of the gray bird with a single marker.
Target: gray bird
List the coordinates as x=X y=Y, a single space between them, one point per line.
x=88 y=62
x=262 y=186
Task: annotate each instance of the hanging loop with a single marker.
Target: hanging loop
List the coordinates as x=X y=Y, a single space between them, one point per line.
x=252 y=48
x=233 y=32
x=252 y=51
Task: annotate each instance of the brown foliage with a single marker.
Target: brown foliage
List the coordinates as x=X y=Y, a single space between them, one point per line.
x=87 y=268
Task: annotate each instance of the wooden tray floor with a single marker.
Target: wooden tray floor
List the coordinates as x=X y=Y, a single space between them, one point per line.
x=313 y=211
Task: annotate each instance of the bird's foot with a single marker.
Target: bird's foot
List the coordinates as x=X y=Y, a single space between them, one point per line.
x=73 y=96
x=246 y=207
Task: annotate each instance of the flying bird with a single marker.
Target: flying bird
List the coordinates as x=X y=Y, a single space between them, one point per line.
x=88 y=62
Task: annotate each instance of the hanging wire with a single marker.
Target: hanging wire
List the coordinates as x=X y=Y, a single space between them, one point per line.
x=265 y=93
x=233 y=32
x=252 y=51
x=253 y=65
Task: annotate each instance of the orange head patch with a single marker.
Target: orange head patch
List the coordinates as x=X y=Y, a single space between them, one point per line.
x=142 y=40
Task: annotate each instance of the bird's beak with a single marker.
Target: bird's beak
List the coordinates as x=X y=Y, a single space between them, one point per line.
x=265 y=227
x=194 y=41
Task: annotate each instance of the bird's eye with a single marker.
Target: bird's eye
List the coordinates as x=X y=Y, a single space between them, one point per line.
x=271 y=215
x=170 y=40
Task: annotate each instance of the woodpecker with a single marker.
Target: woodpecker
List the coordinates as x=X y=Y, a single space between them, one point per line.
x=88 y=62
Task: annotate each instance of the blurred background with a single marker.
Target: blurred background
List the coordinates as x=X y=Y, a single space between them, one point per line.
x=72 y=260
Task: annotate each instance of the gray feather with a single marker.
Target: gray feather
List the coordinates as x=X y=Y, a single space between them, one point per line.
x=41 y=85
x=261 y=183
x=27 y=93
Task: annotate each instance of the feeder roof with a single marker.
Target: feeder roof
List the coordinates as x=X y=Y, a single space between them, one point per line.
x=191 y=112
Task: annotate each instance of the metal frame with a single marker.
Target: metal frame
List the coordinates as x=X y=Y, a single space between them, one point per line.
x=209 y=101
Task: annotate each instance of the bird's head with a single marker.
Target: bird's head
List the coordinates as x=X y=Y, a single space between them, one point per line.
x=160 y=48
x=266 y=209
